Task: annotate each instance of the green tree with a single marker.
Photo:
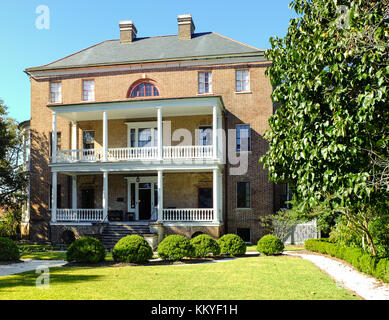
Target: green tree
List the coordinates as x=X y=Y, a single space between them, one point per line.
x=12 y=178
x=330 y=76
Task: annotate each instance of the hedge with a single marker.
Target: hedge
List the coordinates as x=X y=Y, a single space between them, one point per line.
x=204 y=245
x=232 y=244
x=133 y=249
x=358 y=258
x=8 y=250
x=270 y=245
x=87 y=250
x=175 y=247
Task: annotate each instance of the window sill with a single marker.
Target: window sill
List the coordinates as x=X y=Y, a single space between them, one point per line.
x=243 y=92
x=248 y=152
x=243 y=209
x=205 y=94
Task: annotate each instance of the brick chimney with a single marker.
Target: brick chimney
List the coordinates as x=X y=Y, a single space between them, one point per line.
x=127 y=31
x=186 y=27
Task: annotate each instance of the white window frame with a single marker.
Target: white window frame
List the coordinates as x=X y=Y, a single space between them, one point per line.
x=57 y=94
x=90 y=91
x=209 y=82
x=248 y=89
x=249 y=144
x=153 y=125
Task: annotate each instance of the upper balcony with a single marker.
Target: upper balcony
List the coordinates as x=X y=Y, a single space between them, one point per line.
x=160 y=130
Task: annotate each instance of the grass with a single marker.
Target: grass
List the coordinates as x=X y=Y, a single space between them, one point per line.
x=256 y=278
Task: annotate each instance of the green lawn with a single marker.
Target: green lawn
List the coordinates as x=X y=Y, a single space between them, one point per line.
x=245 y=278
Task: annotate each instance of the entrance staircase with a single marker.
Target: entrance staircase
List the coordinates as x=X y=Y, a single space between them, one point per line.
x=114 y=232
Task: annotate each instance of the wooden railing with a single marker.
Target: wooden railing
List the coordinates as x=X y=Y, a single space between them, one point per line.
x=79 y=215
x=184 y=215
x=130 y=154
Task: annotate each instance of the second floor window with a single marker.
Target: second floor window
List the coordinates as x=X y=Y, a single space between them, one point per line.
x=243 y=138
x=205 y=82
x=242 y=81
x=145 y=89
x=205 y=136
x=88 y=90
x=55 y=92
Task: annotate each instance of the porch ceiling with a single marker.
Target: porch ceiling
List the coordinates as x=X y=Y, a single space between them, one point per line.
x=139 y=108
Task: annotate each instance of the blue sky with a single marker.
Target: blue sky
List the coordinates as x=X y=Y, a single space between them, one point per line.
x=75 y=25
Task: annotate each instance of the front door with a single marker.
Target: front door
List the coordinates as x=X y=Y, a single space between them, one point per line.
x=88 y=199
x=144 y=204
x=205 y=197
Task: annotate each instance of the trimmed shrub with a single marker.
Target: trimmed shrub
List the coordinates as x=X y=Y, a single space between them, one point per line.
x=8 y=250
x=133 y=249
x=86 y=250
x=270 y=245
x=232 y=244
x=204 y=245
x=361 y=260
x=174 y=248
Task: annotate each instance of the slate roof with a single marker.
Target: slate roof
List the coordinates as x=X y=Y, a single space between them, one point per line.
x=153 y=49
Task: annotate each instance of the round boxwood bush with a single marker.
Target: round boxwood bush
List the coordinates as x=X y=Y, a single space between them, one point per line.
x=133 y=249
x=204 y=245
x=270 y=245
x=8 y=250
x=232 y=244
x=174 y=248
x=87 y=250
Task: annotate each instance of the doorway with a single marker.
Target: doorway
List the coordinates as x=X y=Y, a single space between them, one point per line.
x=88 y=199
x=144 y=204
x=141 y=195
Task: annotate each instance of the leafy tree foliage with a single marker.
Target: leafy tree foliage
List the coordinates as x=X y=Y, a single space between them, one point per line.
x=12 y=178
x=330 y=76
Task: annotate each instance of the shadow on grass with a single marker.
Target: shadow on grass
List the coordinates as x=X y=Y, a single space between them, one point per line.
x=57 y=276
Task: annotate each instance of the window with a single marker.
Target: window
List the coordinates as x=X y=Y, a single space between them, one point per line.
x=244 y=233
x=55 y=92
x=88 y=90
x=88 y=139
x=205 y=82
x=58 y=142
x=205 y=136
x=142 y=134
x=205 y=198
x=243 y=195
x=145 y=89
x=243 y=142
x=242 y=81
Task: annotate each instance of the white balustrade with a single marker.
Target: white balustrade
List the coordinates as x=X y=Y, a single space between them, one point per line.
x=125 y=154
x=187 y=152
x=79 y=215
x=184 y=215
x=129 y=154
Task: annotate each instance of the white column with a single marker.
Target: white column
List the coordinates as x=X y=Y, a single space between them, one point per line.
x=160 y=195
x=220 y=196
x=74 y=140
x=160 y=134
x=54 y=139
x=74 y=192
x=214 y=132
x=105 y=136
x=105 y=195
x=215 y=195
x=54 y=197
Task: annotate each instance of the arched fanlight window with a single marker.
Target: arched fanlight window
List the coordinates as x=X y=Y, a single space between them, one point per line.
x=145 y=89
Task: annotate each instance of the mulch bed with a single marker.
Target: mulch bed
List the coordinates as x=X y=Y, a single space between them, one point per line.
x=154 y=262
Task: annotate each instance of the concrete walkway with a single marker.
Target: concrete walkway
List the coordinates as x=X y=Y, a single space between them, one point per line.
x=28 y=265
x=363 y=285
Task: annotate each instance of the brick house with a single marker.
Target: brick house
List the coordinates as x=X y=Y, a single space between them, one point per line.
x=154 y=135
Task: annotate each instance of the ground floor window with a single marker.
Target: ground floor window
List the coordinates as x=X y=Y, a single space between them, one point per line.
x=205 y=198
x=244 y=233
x=243 y=195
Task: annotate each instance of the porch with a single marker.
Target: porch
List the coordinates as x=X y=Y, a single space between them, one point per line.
x=167 y=197
x=159 y=130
